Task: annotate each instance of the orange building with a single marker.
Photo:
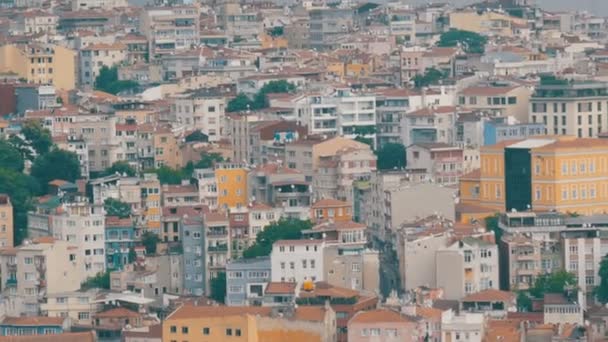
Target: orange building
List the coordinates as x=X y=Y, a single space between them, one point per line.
x=231 y=182
x=248 y=324
x=331 y=209
x=565 y=174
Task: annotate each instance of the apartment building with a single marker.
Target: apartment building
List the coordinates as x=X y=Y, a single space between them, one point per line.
x=331 y=209
x=551 y=174
x=37 y=21
x=166 y=148
x=578 y=108
x=193 y=243
x=6 y=221
x=430 y=125
x=170 y=29
x=44 y=64
x=383 y=324
x=391 y=107
x=327 y=24
x=246 y=280
x=206 y=183
x=78 y=5
x=202 y=109
x=119 y=240
x=240 y=22
x=217 y=244
x=79 y=306
x=467 y=266
x=231 y=180
x=439 y=162
x=500 y=100
x=297 y=261
x=352 y=267
x=417 y=252
x=487 y=23
x=42 y=267
x=95 y=56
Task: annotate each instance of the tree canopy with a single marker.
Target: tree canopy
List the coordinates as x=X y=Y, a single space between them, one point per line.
x=431 y=76
x=391 y=156
x=57 y=164
x=208 y=160
x=101 y=281
x=121 y=167
x=167 y=175
x=38 y=137
x=108 y=81
x=10 y=157
x=601 y=291
x=218 y=287
x=149 y=240
x=197 y=136
x=241 y=102
x=552 y=283
x=284 y=229
x=114 y=207
x=20 y=188
x=471 y=42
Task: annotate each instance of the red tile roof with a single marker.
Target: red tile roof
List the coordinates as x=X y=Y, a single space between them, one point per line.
x=281 y=288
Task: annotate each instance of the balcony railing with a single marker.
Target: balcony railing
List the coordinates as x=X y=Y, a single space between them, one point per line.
x=218 y=248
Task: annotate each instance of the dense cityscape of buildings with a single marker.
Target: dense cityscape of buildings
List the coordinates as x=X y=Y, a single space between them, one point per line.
x=320 y=170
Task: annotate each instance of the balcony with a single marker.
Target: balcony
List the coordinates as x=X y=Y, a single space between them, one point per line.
x=218 y=248
x=11 y=282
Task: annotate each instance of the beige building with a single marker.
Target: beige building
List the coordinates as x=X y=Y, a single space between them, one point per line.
x=571 y=108
x=170 y=29
x=6 y=221
x=352 y=267
x=41 y=64
x=80 y=306
x=39 y=268
x=202 y=109
x=486 y=23
x=467 y=266
x=383 y=325
x=96 y=56
x=502 y=101
x=166 y=148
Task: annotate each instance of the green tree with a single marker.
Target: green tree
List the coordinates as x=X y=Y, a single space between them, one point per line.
x=524 y=303
x=114 y=207
x=492 y=224
x=10 y=157
x=197 y=136
x=108 y=81
x=552 y=283
x=149 y=240
x=218 y=287
x=276 y=31
x=57 y=164
x=364 y=140
x=38 y=137
x=471 y=42
x=20 y=188
x=391 y=156
x=167 y=175
x=431 y=76
x=240 y=103
x=208 y=160
x=284 y=229
x=121 y=167
x=601 y=291
x=100 y=281
x=132 y=255
x=272 y=87
x=22 y=146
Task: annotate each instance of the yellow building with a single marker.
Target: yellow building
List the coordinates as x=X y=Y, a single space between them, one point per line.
x=150 y=190
x=231 y=182
x=269 y=41
x=485 y=23
x=41 y=64
x=565 y=174
x=6 y=221
x=248 y=324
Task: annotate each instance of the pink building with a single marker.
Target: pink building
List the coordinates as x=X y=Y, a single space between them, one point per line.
x=383 y=325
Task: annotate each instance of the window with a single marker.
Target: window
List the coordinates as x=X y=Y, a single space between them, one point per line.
x=237 y=332
x=292 y=265
x=173 y=329
x=391 y=332
x=184 y=330
x=564 y=168
x=374 y=332
x=83 y=315
x=28 y=261
x=228 y=332
x=512 y=100
x=206 y=331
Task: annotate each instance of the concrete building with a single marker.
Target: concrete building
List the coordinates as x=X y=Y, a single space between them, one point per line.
x=217 y=244
x=464 y=326
x=193 y=244
x=6 y=221
x=232 y=190
x=120 y=240
x=352 y=267
x=488 y=23
x=570 y=108
x=79 y=306
x=170 y=29
x=439 y=162
x=246 y=280
x=202 y=109
x=327 y=24
x=467 y=266
x=297 y=261
x=96 y=56
x=429 y=125
x=78 y=5
x=383 y=324
x=500 y=100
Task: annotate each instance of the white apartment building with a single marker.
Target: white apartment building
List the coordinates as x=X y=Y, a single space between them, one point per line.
x=41 y=267
x=417 y=257
x=582 y=257
x=260 y=216
x=78 y=5
x=297 y=261
x=202 y=109
x=37 y=21
x=170 y=29
x=95 y=56
x=80 y=306
x=466 y=326
x=207 y=187
x=467 y=266
x=430 y=125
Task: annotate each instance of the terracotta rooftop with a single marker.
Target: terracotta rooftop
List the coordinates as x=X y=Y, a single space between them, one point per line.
x=190 y=311
x=215 y=216
x=490 y=295
x=323 y=289
x=281 y=288
x=329 y=203
x=429 y=111
x=427 y=312
x=88 y=336
x=379 y=316
x=34 y=320
x=310 y=313
x=486 y=91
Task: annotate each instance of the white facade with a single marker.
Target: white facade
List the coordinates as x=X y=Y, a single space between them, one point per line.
x=467 y=266
x=98 y=4
x=297 y=261
x=582 y=257
x=464 y=327
x=86 y=231
x=204 y=113
x=94 y=57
